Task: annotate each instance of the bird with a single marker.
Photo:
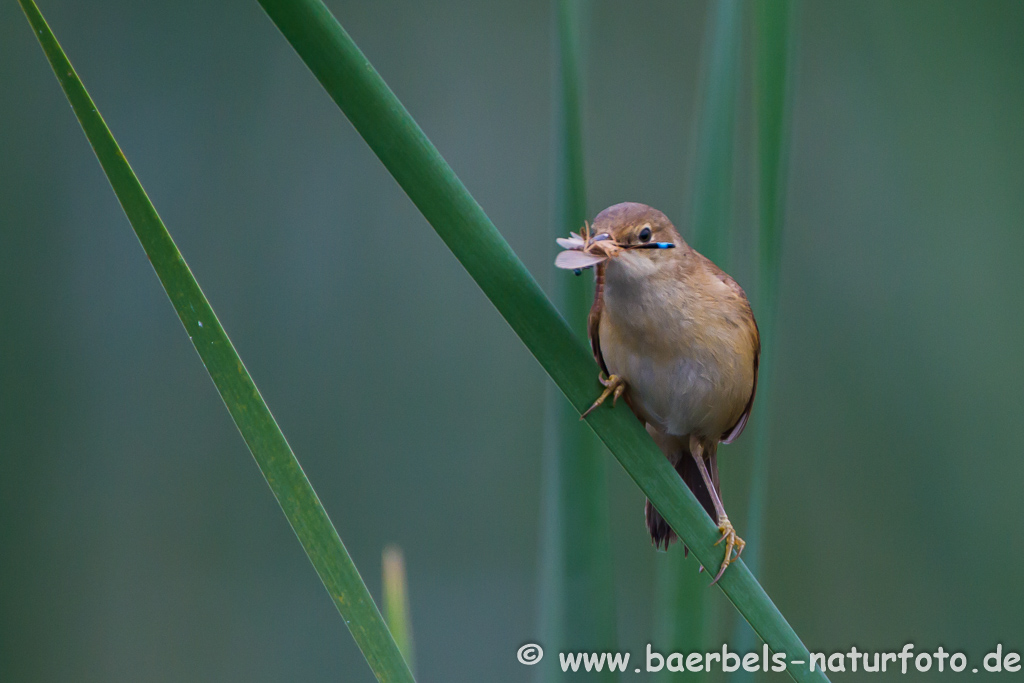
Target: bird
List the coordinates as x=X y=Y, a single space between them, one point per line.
x=676 y=338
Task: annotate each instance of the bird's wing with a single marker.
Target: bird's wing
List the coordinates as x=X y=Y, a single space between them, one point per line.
x=737 y=429
x=594 y=318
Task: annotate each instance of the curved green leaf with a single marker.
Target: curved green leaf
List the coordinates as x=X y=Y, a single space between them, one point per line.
x=578 y=585
x=681 y=614
x=773 y=49
x=459 y=220
x=274 y=456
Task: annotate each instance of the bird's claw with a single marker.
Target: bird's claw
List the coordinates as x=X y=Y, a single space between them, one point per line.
x=732 y=542
x=613 y=386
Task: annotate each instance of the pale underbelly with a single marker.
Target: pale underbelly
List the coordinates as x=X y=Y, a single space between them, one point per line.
x=684 y=395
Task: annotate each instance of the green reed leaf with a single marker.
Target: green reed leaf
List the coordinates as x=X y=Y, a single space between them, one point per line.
x=773 y=49
x=681 y=611
x=262 y=435
x=578 y=587
x=417 y=166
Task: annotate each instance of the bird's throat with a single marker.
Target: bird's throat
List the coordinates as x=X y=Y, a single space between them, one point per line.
x=644 y=296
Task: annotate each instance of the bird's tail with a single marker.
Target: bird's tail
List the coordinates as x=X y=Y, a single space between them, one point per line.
x=661 y=533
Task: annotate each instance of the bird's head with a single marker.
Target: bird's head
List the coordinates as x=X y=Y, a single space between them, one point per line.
x=634 y=235
x=637 y=228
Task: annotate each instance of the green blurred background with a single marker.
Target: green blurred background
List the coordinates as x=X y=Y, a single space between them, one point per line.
x=895 y=512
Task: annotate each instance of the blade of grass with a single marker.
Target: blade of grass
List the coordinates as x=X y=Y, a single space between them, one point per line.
x=711 y=199
x=681 y=611
x=578 y=596
x=396 y=601
x=417 y=166
x=274 y=456
x=773 y=29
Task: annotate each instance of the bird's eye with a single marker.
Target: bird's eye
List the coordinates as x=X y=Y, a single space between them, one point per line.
x=645 y=235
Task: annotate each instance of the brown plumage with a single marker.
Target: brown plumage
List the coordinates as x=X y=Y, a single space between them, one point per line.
x=677 y=338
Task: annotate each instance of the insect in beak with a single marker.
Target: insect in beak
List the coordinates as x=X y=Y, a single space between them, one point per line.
x=585 y=250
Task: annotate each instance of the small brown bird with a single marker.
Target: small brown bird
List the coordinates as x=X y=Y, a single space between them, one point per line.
x=676 y=338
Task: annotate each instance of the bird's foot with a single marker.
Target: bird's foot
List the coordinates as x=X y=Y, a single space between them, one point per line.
x=732 y=542
x=613 y=386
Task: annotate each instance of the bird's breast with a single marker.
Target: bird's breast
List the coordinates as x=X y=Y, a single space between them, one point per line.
x=688 y=366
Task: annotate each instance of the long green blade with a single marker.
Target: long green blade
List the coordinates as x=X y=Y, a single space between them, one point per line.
x=711 y=200
x=578 y=587
x=681 y=611
x=773 y=28
x=251 y=415
x=459 y=220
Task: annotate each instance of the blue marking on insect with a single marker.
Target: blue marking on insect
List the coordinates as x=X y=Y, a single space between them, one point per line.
x=654 y=245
